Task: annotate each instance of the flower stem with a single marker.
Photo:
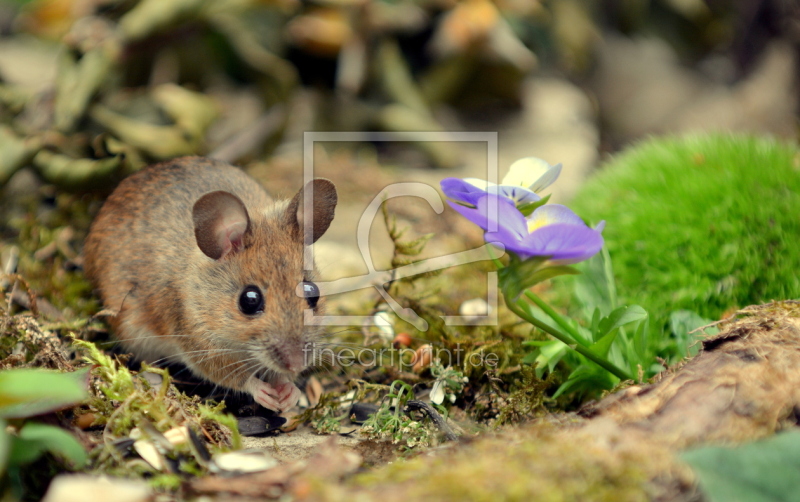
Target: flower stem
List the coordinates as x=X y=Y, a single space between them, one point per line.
x=556 y=317
x=520 y=308
x=495 y=259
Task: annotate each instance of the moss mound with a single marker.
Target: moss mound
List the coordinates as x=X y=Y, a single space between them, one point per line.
x=703 y=223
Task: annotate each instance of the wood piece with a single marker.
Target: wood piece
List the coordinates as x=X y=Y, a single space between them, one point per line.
x=743 y=385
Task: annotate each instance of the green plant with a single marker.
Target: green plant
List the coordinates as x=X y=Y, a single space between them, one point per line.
x=449 y=383
x=26 y=393
x=618 y=334
x=123 y=400
x=543 y=241
x=756 y=472
x=391 y=422
x=700 y=223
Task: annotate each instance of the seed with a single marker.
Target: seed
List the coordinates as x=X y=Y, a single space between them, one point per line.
x=422 y=358
x=292 y=421
x=401 y=340
x=85 y=421
x=313 y=391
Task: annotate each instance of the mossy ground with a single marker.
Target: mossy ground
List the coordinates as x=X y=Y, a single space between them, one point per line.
x=530 y=463
x=703 y=223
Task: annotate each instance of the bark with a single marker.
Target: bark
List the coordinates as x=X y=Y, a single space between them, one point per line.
x=743 y=385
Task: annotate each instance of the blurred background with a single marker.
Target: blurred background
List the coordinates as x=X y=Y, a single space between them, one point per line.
x=91 y=90
x=241 y=79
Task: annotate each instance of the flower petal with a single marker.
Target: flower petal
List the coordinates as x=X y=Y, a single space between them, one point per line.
x=550 y=214
x=564 y=243
x=479 y=183
x=506 y=218
x=461 y=190
x=471 y=213
x=532 y=173
x=518 y=195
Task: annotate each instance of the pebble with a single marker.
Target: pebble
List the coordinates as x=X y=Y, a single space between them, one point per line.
x=256 y=426
x=83 y=488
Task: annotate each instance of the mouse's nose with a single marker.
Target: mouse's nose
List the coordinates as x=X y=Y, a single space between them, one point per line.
x=291 y=359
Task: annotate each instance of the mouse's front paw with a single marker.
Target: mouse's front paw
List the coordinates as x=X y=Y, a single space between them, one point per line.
x=278 y=395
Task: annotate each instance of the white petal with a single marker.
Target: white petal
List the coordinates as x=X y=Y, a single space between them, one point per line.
x=478 y=183
x=532 y=173
x=383 y=321
x=519 y=195
x=437 y=392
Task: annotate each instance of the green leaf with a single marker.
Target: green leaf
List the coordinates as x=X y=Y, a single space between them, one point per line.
x=764 y=471
x=681 y=322
x=607 y=328
x=602 y=346
x=35 y=439
x=596 y=317
x=587 y=377
x=620 y=317
x=549 y=354
x=595 y=288
x=529 y=208
x=641 y=342
x=29 y=392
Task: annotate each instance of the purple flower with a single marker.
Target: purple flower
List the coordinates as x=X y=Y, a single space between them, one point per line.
x=552 y=231
x=520 y=185
x=469 y=191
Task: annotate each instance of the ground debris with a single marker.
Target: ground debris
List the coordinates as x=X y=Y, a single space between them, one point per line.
x=329 y=463
x=29 y=345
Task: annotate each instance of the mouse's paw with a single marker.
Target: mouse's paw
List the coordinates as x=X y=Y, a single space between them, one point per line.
x=278 y=395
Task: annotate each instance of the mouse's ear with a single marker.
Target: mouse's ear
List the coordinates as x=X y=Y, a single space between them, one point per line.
x=323 y=204
x=220 y=222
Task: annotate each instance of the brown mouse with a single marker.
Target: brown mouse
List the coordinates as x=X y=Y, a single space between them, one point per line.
x=202 y=267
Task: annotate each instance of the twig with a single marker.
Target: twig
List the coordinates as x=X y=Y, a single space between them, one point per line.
x=436 y=418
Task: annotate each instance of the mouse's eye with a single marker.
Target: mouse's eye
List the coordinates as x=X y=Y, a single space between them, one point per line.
x=251 y=301
x=311 y=292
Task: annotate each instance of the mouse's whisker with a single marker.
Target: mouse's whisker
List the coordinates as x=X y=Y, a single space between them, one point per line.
x=140 y=338
x=223 y=373
x=245 y=366
x=340 y=344
x=323 y=358
x=199 y=351
x=339 y=332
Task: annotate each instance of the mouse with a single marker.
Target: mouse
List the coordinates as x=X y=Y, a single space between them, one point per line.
x=203 y=267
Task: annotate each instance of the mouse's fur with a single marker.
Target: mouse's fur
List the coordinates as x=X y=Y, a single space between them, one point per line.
x=173 y=268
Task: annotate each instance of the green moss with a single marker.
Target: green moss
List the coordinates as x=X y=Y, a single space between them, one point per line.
x=529 y=464
x=703 y=223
